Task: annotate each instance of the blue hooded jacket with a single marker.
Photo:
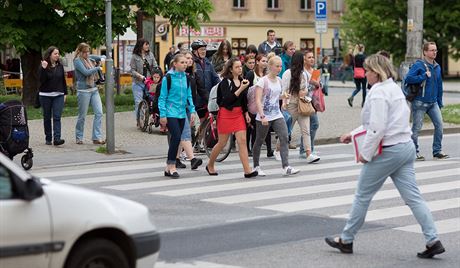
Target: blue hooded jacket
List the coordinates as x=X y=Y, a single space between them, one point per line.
x=433 y=86
x=173 y=103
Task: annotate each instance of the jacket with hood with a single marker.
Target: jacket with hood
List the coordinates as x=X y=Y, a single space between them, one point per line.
x=432 y=91
x=176 y=101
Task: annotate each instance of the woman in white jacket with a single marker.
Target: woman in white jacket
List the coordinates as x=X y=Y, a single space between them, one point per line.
x=385 y=116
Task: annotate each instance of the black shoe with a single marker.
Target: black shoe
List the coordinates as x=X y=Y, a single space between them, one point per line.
x=440 y=156
x=344 y=248
x=435 y=249
x=196 y=162
x=350 y=101
x=179 y=164
x=249 y=154
x=173 y=175
x=252 y=174
x=58 y=142
x=211 y=173
x=48 y=143
x=270 y=153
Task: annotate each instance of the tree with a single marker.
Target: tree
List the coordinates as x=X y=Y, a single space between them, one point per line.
x=33 y=25
x=382 y=24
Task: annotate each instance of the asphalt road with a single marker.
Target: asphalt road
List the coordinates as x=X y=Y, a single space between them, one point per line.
x=274 y=221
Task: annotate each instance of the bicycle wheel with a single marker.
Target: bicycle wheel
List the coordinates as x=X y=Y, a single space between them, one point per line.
x=143 y=115
x=224 y=152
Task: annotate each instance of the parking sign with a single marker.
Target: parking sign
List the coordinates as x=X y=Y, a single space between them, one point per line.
x=320 y=10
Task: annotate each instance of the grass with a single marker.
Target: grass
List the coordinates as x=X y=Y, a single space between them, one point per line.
x=123 y=103
x=101 y=149
x=451 y=113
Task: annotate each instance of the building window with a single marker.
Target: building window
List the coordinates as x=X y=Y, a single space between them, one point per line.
x=306 y=5
x=272 y=4
x=239 y=4
x=307 y=43
x=337 y=5
x=239 y=46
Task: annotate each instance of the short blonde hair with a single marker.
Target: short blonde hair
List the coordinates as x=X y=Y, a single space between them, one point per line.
x=380 y=65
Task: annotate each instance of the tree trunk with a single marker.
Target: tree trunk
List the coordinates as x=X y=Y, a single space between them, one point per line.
x=30 y=62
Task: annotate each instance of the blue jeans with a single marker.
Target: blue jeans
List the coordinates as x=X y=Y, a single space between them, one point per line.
x=138 y=95
x=361 y=84
x=314 y=125
x=84 y=99
x=175 y=127
x=419 y=109
x=396 y=162
x=52 y=108
x=186 y=131
x=288 y=119
x=325 y=82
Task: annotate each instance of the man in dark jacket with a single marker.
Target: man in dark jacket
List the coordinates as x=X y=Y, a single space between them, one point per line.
x=427 y=72
x=205 y=73
x=270 y=45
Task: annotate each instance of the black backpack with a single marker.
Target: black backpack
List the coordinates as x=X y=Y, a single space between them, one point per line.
x=413 y=90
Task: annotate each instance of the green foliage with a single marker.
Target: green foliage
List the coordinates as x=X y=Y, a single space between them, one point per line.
x=451 y=113
x=382 y=24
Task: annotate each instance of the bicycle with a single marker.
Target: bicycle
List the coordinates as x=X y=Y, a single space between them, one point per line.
x=207 y=137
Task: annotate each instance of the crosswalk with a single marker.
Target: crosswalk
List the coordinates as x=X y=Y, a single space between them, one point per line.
x=326 y=188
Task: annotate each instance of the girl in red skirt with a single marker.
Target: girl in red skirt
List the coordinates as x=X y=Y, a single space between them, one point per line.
x=233 y=115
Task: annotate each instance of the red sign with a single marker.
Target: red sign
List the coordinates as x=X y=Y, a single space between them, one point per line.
x=204 y=31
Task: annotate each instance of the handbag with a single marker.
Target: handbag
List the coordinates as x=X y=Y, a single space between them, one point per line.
x=318 y=100
x=305 y=107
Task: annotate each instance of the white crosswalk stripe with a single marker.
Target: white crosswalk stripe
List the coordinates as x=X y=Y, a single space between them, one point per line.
x=443 y=226
x=335 y=177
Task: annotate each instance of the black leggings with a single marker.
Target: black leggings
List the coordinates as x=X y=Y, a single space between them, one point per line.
x=175 y=127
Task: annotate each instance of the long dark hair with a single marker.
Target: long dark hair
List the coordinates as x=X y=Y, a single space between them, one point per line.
x=220 y=50
x=138 y=47
x=296 y=72
x=47 y=56
x=256 y=66
x=227 y=72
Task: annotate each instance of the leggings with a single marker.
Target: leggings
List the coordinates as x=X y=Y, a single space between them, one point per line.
x=175 y=127
x=280 y=128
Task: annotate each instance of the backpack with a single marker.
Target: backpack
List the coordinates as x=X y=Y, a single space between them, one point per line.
x=169 y=82
x=212 y=103
x=413 y=90
x=252 y=107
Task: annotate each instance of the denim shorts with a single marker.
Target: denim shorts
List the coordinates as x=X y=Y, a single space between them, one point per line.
x=186 y=132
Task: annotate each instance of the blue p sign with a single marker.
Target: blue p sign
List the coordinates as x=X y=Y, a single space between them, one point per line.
x=320 y=10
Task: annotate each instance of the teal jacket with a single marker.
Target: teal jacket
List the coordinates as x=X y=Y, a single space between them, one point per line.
x=286 y=60
x=173 y=103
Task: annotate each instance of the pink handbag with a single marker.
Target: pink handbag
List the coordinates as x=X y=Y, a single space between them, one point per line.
x=318 y=100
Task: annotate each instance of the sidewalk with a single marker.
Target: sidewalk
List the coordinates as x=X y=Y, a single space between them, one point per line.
x=449 y=86
x=132 y=144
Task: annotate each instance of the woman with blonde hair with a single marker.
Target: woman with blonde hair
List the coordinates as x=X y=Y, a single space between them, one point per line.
x=385 y=116
x=87 y=93
x=268 y=93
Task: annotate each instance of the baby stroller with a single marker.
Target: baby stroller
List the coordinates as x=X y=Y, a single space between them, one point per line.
x=14 y=132
x=148 y=114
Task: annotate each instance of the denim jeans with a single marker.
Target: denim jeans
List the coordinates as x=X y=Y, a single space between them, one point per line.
x=138 y=94
x=419 y=109
x=175 y=127
x=314 y=125
x=288 y=119
x=84 y=99
x=52 y=108
x=361 y=84
x=325 y=82
x=396 y=162
x=186 y=131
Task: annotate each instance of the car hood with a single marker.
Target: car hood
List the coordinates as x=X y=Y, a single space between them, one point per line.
x=82 y=210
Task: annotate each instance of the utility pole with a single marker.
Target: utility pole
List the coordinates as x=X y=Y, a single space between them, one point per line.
x=414 y=37
x=109 y=103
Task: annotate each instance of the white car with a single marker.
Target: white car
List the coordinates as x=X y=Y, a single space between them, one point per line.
x=48 y=224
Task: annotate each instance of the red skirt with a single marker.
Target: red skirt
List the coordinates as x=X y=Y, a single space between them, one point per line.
x=230 y=121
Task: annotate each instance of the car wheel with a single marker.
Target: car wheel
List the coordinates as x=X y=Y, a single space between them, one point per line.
x=100 y=253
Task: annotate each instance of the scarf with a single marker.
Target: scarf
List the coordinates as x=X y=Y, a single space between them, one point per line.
x=93 y=77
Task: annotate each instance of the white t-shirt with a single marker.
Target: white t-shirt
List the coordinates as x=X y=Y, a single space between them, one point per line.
x=270 y=101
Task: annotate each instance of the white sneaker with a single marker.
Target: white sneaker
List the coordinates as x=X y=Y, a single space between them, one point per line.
x=277 y=155
x=313 y=158
x=259 y=171
x=290 y=171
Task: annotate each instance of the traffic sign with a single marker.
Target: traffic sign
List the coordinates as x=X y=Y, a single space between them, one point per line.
x=320 y=26
x=320 y=10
